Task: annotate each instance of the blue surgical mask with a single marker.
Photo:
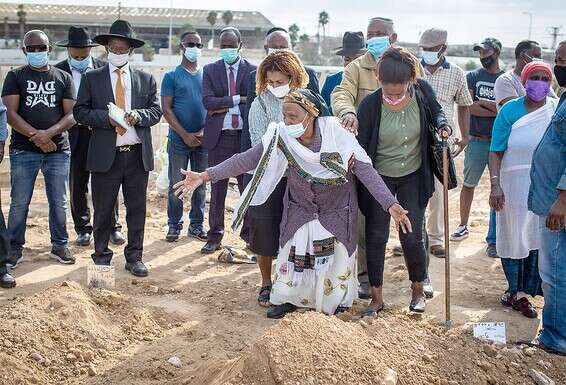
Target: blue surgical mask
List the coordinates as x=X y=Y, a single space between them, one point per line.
x=430 y=58
x=297 y=130
x=37 y=59
x=192 y=54
x=79 y=65
x=229 y=55
x=377 y=45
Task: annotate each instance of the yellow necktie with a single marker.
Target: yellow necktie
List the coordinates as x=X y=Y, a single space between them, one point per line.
x=120 y=98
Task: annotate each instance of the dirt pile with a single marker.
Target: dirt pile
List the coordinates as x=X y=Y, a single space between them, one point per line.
x=59 y=335
x=311 y=348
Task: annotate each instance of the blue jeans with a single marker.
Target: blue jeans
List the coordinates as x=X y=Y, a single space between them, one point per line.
x=552 y=268
x=179 y=156
x=492 y=230
x=24 y=167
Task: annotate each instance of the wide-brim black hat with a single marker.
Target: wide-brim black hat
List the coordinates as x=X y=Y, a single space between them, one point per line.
x=120 y=29
x=353 y=43
x=78 y=38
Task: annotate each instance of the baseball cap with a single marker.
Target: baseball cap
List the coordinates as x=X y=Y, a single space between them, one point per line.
x=489 y=42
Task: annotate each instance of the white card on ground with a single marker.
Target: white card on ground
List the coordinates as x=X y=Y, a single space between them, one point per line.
x=100 y=276
x=491 y=331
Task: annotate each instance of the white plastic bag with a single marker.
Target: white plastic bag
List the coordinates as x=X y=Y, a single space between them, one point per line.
x=162 y=181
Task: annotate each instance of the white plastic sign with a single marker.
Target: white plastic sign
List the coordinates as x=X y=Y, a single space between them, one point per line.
x=100 y=276
x=491 y=331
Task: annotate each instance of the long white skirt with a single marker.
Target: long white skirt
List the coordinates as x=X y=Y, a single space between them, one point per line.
x=313 y=270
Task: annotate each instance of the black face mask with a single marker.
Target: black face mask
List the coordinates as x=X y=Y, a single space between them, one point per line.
x=487 y=61
x=560 y=73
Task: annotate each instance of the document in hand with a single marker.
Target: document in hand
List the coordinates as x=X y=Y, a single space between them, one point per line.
x=117 y=114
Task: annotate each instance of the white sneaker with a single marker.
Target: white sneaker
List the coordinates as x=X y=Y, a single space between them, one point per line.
x=460 y=233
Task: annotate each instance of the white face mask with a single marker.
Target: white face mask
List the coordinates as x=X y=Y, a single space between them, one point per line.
x=430 y=58
x=272 y=50
x=279 y=92
x=118 y=60
x=297 y=130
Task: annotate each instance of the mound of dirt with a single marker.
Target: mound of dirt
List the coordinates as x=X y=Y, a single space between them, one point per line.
x=396 y=348
x=59 y=335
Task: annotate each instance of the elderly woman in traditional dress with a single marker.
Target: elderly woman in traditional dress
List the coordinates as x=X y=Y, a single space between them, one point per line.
x=518 y=128
x=316 y=263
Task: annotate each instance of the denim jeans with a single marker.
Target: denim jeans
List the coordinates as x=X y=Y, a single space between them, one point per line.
x=179 y=156
x=492 y=230
x=552 y=268
x=24 y=167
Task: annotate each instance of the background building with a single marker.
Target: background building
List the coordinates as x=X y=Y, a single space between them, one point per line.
x=150 y=24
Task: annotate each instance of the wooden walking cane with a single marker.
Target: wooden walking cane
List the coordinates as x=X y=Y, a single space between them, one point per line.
x=445 y=150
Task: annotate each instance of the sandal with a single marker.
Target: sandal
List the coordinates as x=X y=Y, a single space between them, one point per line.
x=263 y=297
x=370 y=311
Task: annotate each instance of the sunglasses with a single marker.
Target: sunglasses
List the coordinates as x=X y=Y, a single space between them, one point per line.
x=540 y=77
x=36 y=48
x=193 y=45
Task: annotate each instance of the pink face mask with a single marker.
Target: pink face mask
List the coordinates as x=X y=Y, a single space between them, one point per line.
x=392 y=102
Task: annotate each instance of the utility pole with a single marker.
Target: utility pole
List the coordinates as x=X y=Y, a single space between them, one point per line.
x=119 y=10
x=530 y=23
x=554 y=33
x=170 y=29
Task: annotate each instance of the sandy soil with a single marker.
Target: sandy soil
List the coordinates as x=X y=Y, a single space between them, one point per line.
x=55 y=331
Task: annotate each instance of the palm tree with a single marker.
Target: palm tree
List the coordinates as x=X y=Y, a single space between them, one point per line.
x=304 y=38
x=294 y=34
x=323 y=19
x=22 y=20
x=212 y=18
x=227 y=17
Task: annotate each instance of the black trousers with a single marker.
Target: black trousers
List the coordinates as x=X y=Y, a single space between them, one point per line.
x=406 y=191
x=78 y=185
x=128 y=172
x=4 y=245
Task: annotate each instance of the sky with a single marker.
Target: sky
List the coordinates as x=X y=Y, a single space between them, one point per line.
x=466 y=21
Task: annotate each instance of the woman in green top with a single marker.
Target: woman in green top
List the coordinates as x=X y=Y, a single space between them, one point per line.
x=394 y=130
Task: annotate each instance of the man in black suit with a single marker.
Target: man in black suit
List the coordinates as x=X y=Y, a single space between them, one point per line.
x=119 y=156
x=78 y=63
x=276 y=39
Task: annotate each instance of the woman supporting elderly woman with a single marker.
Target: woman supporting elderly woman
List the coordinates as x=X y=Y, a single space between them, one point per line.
x=316 y=262
x=517 y=130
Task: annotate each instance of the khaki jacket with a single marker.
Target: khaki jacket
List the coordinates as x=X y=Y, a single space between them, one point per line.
x=359 y=80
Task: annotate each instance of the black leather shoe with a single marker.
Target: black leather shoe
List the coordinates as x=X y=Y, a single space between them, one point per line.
x=137 y=268
x=363 y=291
x=210 y=247
x=7 y=281
x=84 y=239
x=279 y=311
x=14 y=260
x=172 y=234
x=116 y=238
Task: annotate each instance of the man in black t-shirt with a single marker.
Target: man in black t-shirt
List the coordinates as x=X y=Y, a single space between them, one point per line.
x=481 y=84
x=39 y=99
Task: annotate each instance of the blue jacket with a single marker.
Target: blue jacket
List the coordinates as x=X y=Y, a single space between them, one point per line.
x=329 y=84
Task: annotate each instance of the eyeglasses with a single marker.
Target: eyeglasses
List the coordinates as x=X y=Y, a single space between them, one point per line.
x=36 y=48
x=540 y=77
x=192 y=45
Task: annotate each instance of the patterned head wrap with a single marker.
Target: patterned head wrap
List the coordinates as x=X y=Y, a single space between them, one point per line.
x=309 y=101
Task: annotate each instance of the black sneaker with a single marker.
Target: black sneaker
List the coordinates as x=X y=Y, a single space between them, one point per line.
x=460 y=234
x=172 y=234
x=63 y=256
x=491 y=251
x=199 y=234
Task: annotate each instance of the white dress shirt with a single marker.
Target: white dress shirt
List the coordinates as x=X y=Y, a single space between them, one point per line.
x=131 y=136
x=235 y=110
x=77 y=75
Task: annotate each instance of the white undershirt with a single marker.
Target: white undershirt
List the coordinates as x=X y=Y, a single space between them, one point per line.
x=131 y=136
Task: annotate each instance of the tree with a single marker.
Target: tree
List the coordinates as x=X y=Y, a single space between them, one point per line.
x=227 y=17
x=323 y=20
x=22 y=20
x=470 y=65
x=212 y=18
x=304 y=38
x=294 y=34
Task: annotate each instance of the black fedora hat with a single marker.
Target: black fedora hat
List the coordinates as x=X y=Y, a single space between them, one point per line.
x=78 y=38
x=353 y=43
x=121 y=29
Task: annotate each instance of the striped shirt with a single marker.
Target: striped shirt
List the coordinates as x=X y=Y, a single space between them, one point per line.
x=450 y=85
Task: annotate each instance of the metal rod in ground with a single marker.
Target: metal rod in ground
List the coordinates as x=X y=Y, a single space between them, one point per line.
x=445 y=150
